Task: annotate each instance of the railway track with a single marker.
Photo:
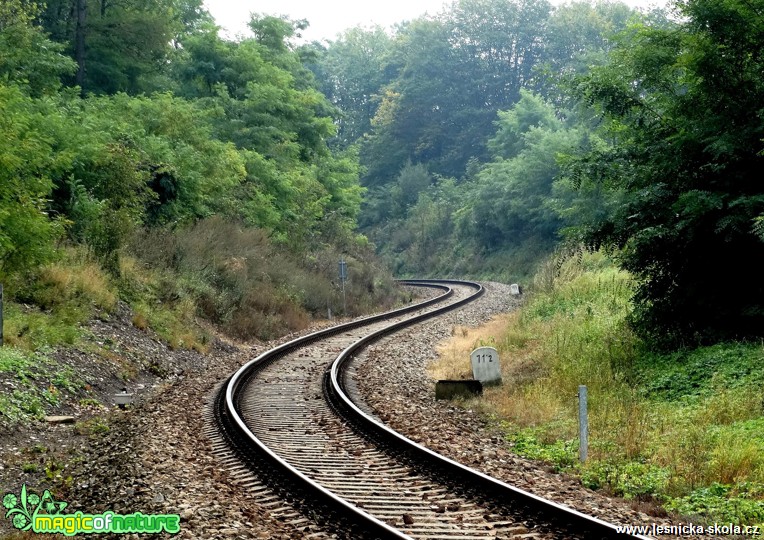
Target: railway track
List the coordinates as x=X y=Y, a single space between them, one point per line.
x=292 y=416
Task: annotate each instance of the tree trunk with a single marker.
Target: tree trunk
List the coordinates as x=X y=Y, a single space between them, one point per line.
x=79 y=44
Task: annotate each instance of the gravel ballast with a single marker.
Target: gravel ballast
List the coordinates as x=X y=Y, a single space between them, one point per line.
x=398 y=390
x=157 y=458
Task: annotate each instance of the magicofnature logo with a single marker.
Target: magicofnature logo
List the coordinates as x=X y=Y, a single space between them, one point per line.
x=23 y=509
x=43 y=514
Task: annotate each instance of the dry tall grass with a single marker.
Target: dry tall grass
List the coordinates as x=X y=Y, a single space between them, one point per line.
x=75 y=278
x=571 y=332
x=244 y=283
x=454 y=354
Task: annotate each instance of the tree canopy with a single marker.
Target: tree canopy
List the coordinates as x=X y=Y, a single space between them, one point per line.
x=683 y=106
x=161 y=122
x=509 y=127
x=485 y=135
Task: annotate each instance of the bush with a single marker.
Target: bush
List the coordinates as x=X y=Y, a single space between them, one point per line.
x=628 y=479
x=237 y=278
x=721 y=503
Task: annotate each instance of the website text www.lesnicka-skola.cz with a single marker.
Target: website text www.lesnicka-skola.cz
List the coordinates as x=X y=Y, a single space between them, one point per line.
x=690 y=529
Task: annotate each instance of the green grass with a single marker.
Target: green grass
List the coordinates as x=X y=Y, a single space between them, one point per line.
x=31 y=328
x=701 y=372
x=719 y=503
x=36 y=382
x=527 y=442
x=684 y=430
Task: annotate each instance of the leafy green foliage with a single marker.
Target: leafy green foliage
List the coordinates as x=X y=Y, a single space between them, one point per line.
x=513 y=192
x=248 y=141
x=511 y=207
x=453 y=73
x=628 y=479
x=453 y=95
x=351 y=72
x=685 y=373
x=121 y=46
x=279 y=125
x=29 y=58
x=720 y=503
x=34 y=382
x=683 y=107
x=578 y=36
x=26 y=232
x=562 y=454
x=228 y=167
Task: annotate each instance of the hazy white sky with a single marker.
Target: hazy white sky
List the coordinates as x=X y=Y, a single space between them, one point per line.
x=329 y=17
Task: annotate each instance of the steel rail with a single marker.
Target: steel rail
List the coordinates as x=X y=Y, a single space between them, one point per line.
x=501 y=492
x=232 y=418
x=229 y=406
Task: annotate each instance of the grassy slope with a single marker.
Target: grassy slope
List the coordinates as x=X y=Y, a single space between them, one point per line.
x=185 y=285
x=685 y=430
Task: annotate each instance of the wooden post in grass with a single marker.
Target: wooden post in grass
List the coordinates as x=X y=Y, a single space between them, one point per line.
x=583 y=424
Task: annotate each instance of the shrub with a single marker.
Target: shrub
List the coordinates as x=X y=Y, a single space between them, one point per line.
x=237 y=278
x=722 y=503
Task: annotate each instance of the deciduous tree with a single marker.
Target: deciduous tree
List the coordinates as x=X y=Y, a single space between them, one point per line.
x=684 y=109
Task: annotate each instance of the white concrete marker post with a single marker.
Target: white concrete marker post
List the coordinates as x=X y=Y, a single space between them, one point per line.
x=485 y=365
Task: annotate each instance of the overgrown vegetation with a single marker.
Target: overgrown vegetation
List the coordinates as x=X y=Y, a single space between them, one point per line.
x=682 y=429
x=684 y=107
x=147 y=160
x=236 y=278
x=495 y=129
x=461 y=121
x=189 y=176
x=32 y=382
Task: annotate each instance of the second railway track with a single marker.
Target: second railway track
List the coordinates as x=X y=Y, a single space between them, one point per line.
x=289 y=415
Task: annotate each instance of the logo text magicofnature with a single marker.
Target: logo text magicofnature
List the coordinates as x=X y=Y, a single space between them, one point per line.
x=43 y=514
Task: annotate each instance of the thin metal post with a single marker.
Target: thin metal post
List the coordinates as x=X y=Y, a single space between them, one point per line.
x=343 y=267
x=583 y=424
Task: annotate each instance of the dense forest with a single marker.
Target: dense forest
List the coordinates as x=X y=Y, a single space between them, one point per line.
x=473 y=142
x=496 y=132
x=193 y=170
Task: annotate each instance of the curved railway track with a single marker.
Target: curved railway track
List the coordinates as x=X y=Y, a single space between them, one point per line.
x=291 y=415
